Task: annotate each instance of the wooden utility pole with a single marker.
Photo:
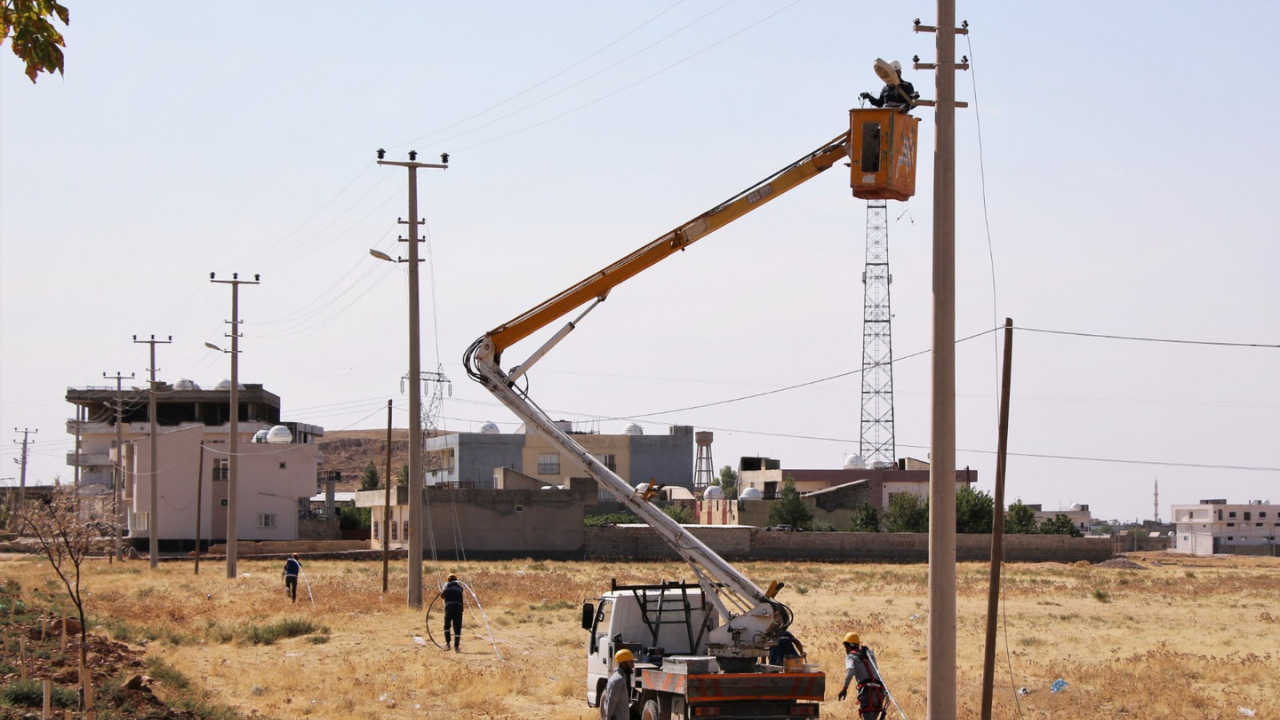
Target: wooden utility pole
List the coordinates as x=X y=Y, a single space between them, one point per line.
x=386 y=508
x=997 y=524
x=153 y=509
x=199 y=499
x=117 y=484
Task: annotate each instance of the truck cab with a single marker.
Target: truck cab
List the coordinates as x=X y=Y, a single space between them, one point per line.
x=654 y=622
x=666 y=626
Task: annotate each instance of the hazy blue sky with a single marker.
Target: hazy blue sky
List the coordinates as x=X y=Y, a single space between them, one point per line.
x=1130 y=179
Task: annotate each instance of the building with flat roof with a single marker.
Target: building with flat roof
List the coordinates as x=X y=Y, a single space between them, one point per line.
x=277 y=472
x=1216 y=526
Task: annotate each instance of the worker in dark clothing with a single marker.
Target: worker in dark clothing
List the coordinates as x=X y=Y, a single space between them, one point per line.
x=903 y=96
x=788 y=647
x=860 y=665
x=291 y=570
x=452 y=596
x=615 y=701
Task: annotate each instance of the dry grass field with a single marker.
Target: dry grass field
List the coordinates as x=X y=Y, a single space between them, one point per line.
x=1182 y=637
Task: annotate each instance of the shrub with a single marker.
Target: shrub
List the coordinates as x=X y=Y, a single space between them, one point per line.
x=30 y=693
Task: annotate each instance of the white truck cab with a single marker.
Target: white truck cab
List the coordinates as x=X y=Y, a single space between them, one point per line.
x=652 y=621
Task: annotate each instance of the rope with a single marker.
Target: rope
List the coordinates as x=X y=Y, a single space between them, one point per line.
x=880 y=675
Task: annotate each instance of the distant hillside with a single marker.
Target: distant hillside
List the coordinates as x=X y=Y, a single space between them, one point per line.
x=349 y=451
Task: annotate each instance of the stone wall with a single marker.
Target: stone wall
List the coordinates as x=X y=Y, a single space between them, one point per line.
x=318 y=529
x=630 y=542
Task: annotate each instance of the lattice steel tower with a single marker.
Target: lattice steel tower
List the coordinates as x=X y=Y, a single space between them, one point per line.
x=877 y=444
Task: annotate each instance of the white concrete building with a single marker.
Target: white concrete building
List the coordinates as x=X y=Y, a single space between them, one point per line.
x=1216 y=526
x=277 y=474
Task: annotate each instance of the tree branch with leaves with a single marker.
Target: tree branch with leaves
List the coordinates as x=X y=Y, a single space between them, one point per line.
x=28 y=26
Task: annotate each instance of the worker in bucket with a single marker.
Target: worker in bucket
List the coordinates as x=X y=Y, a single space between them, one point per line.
x=291 y=570
x=615 y=704
x=901 y=97
x=860 y=665
x=452 y=596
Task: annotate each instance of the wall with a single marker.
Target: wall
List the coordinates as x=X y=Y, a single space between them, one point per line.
x=500 y=524
x=669 y=458
x=631 y=542
x=318 y=529
x=263 y=486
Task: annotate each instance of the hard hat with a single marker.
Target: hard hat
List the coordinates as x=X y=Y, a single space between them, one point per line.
x=624 y=655
x=852 y=638
x=452 y=577
x=897 y=66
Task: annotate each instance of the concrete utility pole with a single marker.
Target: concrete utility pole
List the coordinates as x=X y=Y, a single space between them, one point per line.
x=22 y=460
x=941 y=682
x=117 y=484
x=415 y=371
x=233 y=445
x=153 y=510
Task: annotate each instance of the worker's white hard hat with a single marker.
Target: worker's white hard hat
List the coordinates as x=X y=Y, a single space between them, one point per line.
x=897 y=66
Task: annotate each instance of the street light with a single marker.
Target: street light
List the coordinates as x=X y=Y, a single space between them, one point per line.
x=381 y=255
x=415 y=375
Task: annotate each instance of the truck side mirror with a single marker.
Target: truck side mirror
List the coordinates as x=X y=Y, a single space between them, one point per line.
x=588 y=615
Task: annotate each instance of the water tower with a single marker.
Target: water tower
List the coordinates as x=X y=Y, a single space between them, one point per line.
x=703 y=467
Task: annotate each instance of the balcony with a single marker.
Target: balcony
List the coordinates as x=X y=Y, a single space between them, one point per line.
x=88 y=459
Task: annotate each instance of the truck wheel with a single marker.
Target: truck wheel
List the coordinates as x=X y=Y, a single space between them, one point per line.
x=651 y=711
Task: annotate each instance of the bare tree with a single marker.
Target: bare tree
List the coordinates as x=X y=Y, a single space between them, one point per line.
x=66 y=538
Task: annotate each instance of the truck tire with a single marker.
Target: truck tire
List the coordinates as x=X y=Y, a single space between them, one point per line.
x=651 y=710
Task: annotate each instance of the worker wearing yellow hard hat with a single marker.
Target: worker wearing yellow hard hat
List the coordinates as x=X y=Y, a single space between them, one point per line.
x=615 y=703
x=860 y=665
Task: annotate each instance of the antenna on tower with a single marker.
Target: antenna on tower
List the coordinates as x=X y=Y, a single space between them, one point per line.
x=877 y=447
x=1156 y=508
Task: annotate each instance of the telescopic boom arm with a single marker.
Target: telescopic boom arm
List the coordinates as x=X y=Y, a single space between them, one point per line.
x=752 y=618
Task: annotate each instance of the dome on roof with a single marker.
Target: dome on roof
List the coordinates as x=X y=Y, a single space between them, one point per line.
x=752 y=493
x=633 y=429
x=260 y=436
x=855 y=462
x=185 y=384
x=223 y=385
x=279 y=435
x=489 y=428
x=713 y=493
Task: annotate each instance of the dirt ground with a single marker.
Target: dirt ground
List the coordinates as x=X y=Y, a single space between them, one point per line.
x=1151 y=636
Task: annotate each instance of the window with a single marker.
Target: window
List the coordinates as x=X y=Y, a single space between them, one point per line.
x=141 y=521
x=221 y=468
x=519 y=508
x=1231 y=524
x=1230 y=537
x=394 y=534
x=609 y=461
x=1262 y=514
x=1231 y=514
x=1248 y=515
x=375 y=530
x=406 y=529
x=549 y=464
x=282 y=465
x=266 y=520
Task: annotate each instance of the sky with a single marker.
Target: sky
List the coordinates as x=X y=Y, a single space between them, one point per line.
x=1114 y=171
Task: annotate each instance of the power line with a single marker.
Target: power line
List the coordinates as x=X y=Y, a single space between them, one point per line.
x=1135 y=338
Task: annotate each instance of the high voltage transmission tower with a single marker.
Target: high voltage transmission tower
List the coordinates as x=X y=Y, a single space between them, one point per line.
x=877 y=444
x=433 y=387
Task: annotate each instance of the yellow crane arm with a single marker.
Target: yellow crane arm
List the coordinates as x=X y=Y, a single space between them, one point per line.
x=598 y=285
